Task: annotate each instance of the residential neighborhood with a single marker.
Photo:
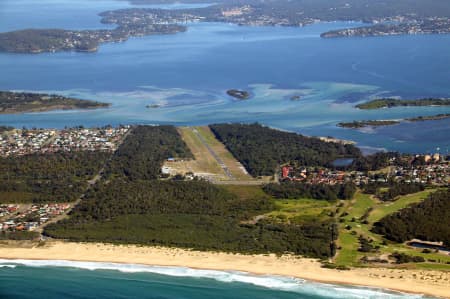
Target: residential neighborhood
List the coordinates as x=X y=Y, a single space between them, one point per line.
x=29 y=217
x=435 y=171
x=24 y=142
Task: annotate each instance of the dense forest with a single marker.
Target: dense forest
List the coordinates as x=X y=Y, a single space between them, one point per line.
x=376 y=161
x=56 y=177
x=14 y=102
x=195 y=215
x=390 y=190
x=426 y=221
x=261 y=149
x=295 y=190
x=357 y=124
x=389 y=103
x=143 y=152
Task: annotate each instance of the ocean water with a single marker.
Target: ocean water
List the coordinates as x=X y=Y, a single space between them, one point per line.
x=23 y=279
x=187 y=74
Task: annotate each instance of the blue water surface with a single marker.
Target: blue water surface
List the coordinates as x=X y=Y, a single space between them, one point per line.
x=64 y=279
x=187 y=75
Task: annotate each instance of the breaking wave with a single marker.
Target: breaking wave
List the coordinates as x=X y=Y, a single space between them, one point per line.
x=266 y=281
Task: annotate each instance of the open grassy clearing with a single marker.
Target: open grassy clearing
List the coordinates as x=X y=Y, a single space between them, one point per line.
x=384 y=209
x=352 y=226
x=300 y=210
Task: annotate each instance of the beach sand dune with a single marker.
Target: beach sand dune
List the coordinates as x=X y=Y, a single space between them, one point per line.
x=435 y=283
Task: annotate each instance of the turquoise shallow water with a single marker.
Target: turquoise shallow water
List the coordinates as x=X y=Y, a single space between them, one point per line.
x=188 y=75
x=22 y=279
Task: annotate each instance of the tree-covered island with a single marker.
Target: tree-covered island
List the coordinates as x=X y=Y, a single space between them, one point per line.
x=238 y=94
x=357 y=124
x=390 y=103
x=367 y=123
x=20 y=102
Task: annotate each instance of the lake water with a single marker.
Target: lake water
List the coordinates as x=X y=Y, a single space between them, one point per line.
x=188 y=75
x=63 y=279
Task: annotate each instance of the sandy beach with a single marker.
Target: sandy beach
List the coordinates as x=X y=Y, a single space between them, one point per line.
x=435 y=283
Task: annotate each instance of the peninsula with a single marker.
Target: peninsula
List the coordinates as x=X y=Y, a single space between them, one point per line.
x=383 y=18
x=357 y=124
x=56 y=40
x=426 y=26
x=21 y=102
x=391 y=102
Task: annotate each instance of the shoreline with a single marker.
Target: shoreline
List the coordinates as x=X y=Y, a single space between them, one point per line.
x=409 y=281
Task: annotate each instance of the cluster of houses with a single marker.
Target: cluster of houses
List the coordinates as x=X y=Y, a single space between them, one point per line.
x=434 y=171
x=434 y=174
x=23 y=142
x=31 y=218
x=88 y=139
x=314 y=175
x=6 y=210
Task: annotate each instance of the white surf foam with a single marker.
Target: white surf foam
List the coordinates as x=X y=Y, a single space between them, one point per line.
x=7 y=266
x=271 y=282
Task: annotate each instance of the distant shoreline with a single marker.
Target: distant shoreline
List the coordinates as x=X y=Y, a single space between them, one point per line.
x=409 y=281
x=27 y=102
x=389 y=122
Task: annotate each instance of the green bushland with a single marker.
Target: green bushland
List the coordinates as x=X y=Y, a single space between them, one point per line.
x=425 y=220
x=12 y=102
x=132 y=206
x=388 y=103
x=143 y=152
x=390 y=190
x=195 y=215
x=55 y=177
x=261 y=149
x=292 y=190
x=367 y=123
x=19 y=235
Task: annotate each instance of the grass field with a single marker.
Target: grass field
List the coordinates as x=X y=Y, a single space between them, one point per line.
x=352 y=226
x=301 y=210
x=384 y=209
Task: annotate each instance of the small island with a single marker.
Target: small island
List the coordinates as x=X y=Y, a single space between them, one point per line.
x=432 y=117
x=239 y=94
x=358 y=124
x=20 y=102
x=367 y=123
x=153 y=106
x=390 y=102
